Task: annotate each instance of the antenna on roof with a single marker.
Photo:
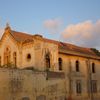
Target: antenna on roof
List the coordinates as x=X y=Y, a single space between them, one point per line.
x=7 y=24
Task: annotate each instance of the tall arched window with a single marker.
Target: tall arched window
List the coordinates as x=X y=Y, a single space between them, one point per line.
x=77 y=66
x=0 y=60
x=15 y=58
x=7 y=55
x=47 y=58
x=60 y=63
x=93 y=67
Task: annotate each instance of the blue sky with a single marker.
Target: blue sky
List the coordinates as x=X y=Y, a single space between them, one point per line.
x=53 y=18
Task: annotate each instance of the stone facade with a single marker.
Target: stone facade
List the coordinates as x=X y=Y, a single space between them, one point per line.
x=35 y=68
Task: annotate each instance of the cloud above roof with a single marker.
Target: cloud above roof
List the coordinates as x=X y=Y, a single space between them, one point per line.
x=85 y=33
x=52 y=25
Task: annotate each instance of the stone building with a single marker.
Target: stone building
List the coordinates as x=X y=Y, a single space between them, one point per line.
x=36 y=68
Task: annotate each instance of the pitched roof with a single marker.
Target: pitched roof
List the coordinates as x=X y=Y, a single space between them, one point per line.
x=74 y=48
x=19 y=36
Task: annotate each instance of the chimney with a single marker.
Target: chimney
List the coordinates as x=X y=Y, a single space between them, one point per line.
x=38 y=36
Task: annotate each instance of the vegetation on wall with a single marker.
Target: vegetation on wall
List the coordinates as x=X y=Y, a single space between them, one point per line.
x=96 y=51
x=9 y=65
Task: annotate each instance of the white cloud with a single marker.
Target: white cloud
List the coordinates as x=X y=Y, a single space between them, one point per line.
x=52 y=25
x=85 y=34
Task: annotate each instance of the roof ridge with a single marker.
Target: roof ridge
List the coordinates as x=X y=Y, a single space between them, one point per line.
x=74 y=45
x=24 y=33
x=21 y=36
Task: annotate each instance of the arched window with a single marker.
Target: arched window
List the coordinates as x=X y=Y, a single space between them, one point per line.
x=77 y=66
x=93 y=67
x=47 y=57
x=60 y=63
x=7 y=55
x=0 y=60
x=28 y=57
x=15 y=58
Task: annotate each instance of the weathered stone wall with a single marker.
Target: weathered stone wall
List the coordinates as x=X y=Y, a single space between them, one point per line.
x=18 y=84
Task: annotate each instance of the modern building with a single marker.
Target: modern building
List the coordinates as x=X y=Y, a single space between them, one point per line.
x=36 y=68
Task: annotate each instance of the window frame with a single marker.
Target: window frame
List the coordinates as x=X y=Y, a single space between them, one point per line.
x=47 y=60
x=0 y=61
x=78 y=87
x=93 y=68
x=94 y=86
x=15 y=58
x=60 y=61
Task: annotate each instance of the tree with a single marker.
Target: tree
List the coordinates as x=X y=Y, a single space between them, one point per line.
x=96 y=51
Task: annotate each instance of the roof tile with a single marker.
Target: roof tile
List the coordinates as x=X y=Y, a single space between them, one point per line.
x=19 y=36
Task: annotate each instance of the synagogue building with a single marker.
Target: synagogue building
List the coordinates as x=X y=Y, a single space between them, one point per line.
x=33 y=67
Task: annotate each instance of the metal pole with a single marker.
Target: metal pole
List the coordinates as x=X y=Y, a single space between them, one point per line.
x=90 y=80
x=70 y=86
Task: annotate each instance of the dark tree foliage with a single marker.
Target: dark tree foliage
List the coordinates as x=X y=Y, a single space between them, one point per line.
x=96 y=51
